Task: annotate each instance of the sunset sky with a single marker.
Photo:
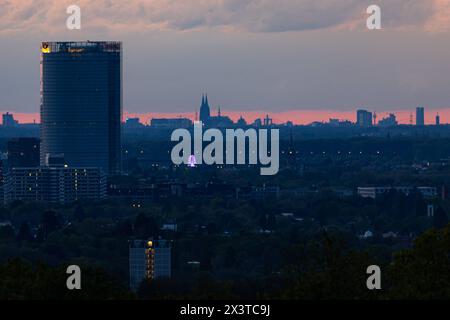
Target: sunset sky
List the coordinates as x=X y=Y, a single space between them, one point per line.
x=300 y=60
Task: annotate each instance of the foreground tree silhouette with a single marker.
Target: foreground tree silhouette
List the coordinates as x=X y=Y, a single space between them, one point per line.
x=79 y=214
x=422 y=272
x=145 y=227
x=50 y=222
x=24 y=233
x=334 y=272
x=22 y=281
x=440 y=219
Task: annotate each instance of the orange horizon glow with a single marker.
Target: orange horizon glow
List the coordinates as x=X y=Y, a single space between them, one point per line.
x=298 y=117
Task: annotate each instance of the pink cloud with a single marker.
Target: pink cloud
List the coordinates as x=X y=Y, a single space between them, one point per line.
x=441 y=18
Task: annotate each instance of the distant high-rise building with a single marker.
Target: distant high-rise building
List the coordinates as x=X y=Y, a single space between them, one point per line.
x=420 y=116
x=23 y=152
x=438 y=119
x=81 y=103
x=57 y=184
x=363 y=118
x=8 y=120
x=149 y=260
x=205 y=112
x=133 y=123
x=3 y=173
x=388 y=121
x=171 y=123
x=55 y=160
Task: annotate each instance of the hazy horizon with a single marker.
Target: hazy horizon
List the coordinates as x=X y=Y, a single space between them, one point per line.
x=298 y=117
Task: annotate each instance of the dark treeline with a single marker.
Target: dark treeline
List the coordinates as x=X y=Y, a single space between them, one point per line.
x=244 y=248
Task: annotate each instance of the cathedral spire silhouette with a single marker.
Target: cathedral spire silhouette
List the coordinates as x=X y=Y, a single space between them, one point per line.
x=204 y=109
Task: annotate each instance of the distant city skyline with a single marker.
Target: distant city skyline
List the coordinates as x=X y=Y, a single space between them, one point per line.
x=299 y=117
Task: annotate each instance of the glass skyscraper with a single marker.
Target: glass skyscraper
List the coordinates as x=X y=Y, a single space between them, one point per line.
x=81 y=103
x=420 y=116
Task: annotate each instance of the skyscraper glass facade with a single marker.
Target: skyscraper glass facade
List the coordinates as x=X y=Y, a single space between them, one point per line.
x=81 y=103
